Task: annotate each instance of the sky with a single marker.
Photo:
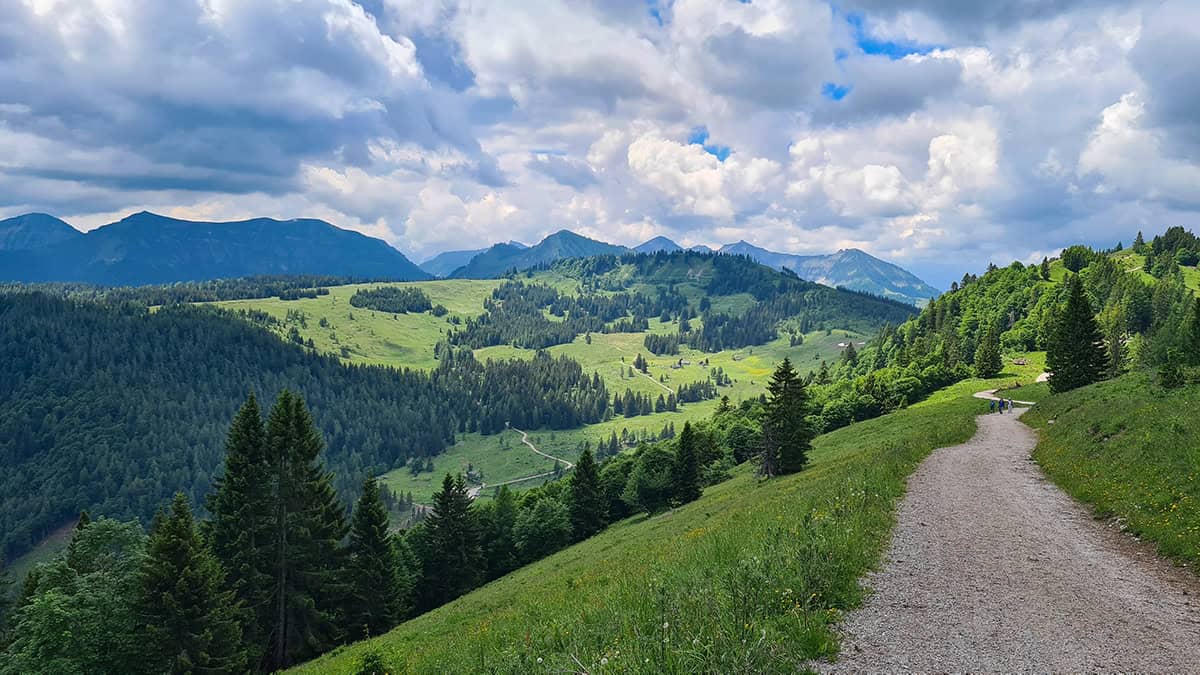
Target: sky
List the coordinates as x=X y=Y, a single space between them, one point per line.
x=938 y=134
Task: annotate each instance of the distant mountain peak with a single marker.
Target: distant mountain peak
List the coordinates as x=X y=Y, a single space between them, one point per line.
x=657 y=244
x=34 y=230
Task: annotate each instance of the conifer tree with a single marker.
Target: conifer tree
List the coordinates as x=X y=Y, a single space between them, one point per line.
x=6 y=582
x=80 y=523
x=452 y=558
x=1045 y=269
x=1075 y=355
x=308 y=526
x=376 y=602
x=987 y=355
x=686 y=476
x=787 y=436
x=1192 y=348
x=187 y=621
x=501 y=553
x=1139 y=243
x=241 y=527
x=589 y=509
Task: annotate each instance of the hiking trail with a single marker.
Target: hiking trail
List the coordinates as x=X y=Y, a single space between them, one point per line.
x=991 y=567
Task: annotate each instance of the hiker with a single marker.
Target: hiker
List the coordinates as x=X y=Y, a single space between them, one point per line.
x=1001 y=406
x=992 y=406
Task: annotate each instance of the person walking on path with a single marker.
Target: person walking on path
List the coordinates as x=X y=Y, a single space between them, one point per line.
x=992 y=406
x=1001 y=406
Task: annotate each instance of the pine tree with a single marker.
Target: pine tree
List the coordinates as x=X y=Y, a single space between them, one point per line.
x=501 y=553
x=1192 y=346
x=80 y=523
x=453 y=559
x=686 y=476
x=787 y=436
x=1139 y=243
x=6 y=582
x=241 y=525
x=589 y=509
x=987 y=355
x=1045 y=269
x=376 y=602
x=187 y=621
x=308 y=525
x=1075 y=355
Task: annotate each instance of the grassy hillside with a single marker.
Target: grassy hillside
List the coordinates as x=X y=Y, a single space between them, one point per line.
x=1129 y=449
x=366 y=336
x=370 y=337
x=750 y=578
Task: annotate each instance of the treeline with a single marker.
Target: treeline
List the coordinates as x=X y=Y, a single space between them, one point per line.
x=392 y=299
x=289 y=287
x=85 y=424
x=1101 y=322
x=516 y=314
x=279 y=574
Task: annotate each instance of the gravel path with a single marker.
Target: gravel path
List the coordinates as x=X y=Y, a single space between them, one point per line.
x=993 y=568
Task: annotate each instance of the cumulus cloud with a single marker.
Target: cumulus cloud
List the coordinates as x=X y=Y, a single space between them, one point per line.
x=924 y=131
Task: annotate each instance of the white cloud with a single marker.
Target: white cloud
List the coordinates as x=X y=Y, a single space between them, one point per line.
x=452 y=124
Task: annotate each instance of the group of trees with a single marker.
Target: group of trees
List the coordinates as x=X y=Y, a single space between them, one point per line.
x=85 y=425
x=1099 y=322
x=277 y=573
x=286 y=287
x=392 y=299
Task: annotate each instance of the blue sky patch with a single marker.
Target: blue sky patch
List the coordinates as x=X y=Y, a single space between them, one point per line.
x=873 y=45
x=835 y=92
x=699 y=136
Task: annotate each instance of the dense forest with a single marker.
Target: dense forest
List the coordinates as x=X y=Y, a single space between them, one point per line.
x=621 y=294
x=392 y=299
x=115 y=408
x=290 y=287
x=278 y=573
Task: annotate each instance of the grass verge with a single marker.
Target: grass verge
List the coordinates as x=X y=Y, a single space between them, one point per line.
x=750 y=578
x=1129 y=449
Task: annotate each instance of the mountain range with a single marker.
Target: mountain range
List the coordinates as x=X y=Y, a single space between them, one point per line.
x=501 y=258
x=146 y=248
x=849 y=268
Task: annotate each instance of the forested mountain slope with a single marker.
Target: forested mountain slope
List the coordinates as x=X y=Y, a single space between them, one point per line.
x=112 y=409
x=34 y=230
x=147 y=248
x=501 y=258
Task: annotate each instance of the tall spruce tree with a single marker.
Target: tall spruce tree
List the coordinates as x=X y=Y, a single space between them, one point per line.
x=1045 y=268
x=589 y=508
x=1075 y=354
x=6 y=583
x=452 y=558
x=501 y=548
x=188 y=622
x=241 y=528
x=308 y=525
x=376 y=600
x=1192 y=346
x=987 y=355
x=787 y=436
x=686 y=476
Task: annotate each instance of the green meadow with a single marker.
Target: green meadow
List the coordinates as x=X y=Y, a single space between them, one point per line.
x=407 y=341
x=1131 y=450
x=750 y=578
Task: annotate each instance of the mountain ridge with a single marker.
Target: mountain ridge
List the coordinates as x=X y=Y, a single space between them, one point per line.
x=146 y=248
x=34 y=230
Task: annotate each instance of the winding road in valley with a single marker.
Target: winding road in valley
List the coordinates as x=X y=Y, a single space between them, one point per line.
x=478 y=489
x=993 y=568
